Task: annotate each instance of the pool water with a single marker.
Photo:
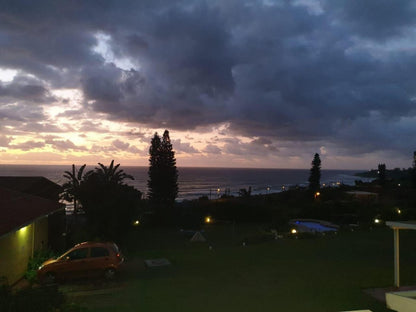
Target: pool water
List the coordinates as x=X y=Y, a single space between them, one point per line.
x=315 y=226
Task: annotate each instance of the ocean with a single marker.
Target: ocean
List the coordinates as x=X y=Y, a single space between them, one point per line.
x=210 y=182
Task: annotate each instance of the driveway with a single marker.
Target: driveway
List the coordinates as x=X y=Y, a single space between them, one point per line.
x=82 y=290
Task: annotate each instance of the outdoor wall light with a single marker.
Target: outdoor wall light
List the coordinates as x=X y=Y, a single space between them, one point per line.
x=23 y=230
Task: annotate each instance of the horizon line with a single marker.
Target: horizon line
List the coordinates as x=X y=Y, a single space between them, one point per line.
x=194 y=167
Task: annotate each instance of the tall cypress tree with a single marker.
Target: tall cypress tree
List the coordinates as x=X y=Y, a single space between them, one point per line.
x=381 y=172
x=413 y=170
x=163 y=174
x=154 y=184
x=315 y=174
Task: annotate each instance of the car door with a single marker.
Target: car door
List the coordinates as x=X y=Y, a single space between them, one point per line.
x=99 y=260
x=74 y=264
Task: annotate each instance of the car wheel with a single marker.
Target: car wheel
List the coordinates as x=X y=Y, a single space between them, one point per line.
x=109 y=274
x=49 y=278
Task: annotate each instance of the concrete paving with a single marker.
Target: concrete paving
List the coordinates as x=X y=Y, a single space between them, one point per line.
x=380 y=293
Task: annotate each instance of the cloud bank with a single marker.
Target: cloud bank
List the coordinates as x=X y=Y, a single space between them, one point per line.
x=286 y=75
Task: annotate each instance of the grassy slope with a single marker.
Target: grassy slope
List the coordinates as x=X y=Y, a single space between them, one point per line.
x=325 y=274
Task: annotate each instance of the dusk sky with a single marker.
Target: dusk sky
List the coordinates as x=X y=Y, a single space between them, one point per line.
x=237 y=83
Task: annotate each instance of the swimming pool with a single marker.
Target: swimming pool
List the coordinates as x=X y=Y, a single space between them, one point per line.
x=309 y=225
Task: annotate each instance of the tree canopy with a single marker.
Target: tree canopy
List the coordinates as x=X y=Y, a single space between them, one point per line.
x=381 y=172
x=315 y=174
x=72 y=185
x=110 y=205
x=163 y=174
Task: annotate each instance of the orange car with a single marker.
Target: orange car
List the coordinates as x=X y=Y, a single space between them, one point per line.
x=88 y=259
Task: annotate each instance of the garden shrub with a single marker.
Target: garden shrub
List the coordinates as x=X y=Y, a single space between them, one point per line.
x=38 y=258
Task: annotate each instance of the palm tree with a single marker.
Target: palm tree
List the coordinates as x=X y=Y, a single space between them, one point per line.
x=72 y=185
x=112 y=174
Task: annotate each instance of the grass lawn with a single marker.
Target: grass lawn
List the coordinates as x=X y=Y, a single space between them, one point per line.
x=324 y=274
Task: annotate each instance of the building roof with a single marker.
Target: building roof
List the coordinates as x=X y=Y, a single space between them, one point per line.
x=38 y=186
x=402 y=225
x=18 y=209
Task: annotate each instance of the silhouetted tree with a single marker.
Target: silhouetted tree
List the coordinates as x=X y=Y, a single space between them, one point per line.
x=413 y=170
x=112 y=174
x=110 y=205
x=163 y=174
x=244 y=192
x=72 y=185
x=381 y=174
x=315 y=174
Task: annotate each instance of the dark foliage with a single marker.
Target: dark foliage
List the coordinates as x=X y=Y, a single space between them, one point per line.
x=315 y=174
x=109 y=204
x=381 y=174
x=413 y=170
x=336 y=205
x=72 y=185
x=163 y=175
x=244 y=192
x=34 y=262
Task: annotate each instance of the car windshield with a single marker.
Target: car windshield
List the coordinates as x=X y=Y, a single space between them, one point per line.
x=74 y=254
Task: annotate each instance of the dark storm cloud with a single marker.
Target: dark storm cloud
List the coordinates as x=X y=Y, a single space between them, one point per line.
x=375 y=18
x=15 y=113
x=256 y=147
x=270 y=69
x=26 y=89
x=49 y=39
x=26 y=92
